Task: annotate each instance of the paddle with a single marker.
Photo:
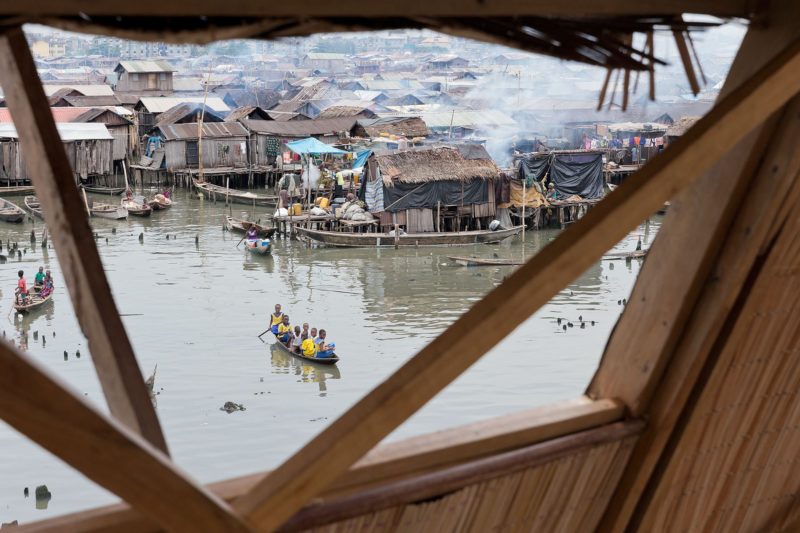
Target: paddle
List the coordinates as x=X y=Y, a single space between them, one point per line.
x=264 y=332
x=240 y=242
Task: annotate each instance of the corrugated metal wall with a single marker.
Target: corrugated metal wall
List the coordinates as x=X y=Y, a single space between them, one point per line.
x=217 y=153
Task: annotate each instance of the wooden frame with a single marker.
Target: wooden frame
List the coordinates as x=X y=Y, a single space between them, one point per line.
x=267 y=502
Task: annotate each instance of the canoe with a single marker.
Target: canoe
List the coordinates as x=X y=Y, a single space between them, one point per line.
x=10 y=212
x=337 y=238
x=17 y=190
x=242 y=226
x=159 y=202
x=34 y=302
x=258 y=246
x=111 y=212
x=475 y=261
x=101 y=189
x=32 y=204
x=637 y=254
x=136 y=209
x=235 y=196
x=321 y=361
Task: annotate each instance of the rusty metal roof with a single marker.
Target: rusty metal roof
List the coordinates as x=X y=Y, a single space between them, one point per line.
x=301 y=128
x=211 y=130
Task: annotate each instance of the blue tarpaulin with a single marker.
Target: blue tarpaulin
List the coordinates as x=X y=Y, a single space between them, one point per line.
x=313 y=146
x=361 y=158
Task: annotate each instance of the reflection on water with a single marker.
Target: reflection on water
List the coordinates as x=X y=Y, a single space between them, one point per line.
x=193 y=304
x=306 y=372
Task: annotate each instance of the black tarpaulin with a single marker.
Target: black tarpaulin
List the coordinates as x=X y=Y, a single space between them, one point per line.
x=534 y=169
x=403 y=196
x=580 y=174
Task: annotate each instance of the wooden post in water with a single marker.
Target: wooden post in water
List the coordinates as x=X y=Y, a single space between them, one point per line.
x=396 y=236
x=227 y=189
x=439 y=216
x=524 y=201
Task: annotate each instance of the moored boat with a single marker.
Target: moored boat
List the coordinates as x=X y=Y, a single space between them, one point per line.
x=258 y=246
x=10 y=212
x=111 y=212
x=477 y=261
x=34 y=301
x=16 y=190
x=348 y=239
x=319 y=360
x=138 y=209
x=637 y=254
x=159 y=202
x=32 y=204
x=235 y=196
x=101 y=189
x=242 y=226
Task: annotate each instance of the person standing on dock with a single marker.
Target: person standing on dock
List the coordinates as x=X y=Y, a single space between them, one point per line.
x=275 y=319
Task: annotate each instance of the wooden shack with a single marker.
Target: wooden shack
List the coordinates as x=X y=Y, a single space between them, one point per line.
x=121 y=129
x=690 y=422
x=408 y=127
x=431 y=190
x=224 y=147
x=150 y=76
x=89 y=148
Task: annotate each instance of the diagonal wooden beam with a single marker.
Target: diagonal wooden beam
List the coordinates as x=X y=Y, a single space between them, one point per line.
x=104 y=450
x=56 y=188
x=332 y=452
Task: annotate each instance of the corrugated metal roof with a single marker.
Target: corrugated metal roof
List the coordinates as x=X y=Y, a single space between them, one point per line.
x=68 y=131
x=467 y=119
x=211 y=130
x=158 y=65
x=301 y=128
x=159 y=104
x=86 y=90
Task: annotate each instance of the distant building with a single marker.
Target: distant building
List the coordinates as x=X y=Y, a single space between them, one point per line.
x=144 y=76
x=324 y=61
x=48 y=49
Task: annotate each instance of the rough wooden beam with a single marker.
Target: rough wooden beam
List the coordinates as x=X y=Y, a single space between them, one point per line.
x=687 y=287
x=331 y=453
x=388 y=462
x=105 y=451
x=353 y=8
x=56 y=188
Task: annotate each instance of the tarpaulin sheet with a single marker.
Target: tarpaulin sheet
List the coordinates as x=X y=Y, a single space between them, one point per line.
x=312 y=146
x=534 y=169
x=578 y=174
x=533 y=198
x=426 y=195
x=361 y=158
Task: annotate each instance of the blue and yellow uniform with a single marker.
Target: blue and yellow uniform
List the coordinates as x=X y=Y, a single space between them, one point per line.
x=275 y=321
x=309 y=348
x=284 y=332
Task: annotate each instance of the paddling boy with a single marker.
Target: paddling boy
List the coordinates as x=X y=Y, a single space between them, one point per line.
x=285 y=331
x=323 y=348
x=275 y=319
x=38 y=281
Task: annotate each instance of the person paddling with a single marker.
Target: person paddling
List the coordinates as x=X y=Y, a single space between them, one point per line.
x=275 y=319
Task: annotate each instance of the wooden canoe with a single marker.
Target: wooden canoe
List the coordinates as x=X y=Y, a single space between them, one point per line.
x=258 y=246
x=17 y=190
x=477 y=261
x=111 y=212
x=32 y=204
x=463 y=238
x=34 y=301
x=235 y=196
x=159 y=202
x=320 y=361
x=10 y=212
x=136 y=209
x=101 y=189
x=242 y=226
x=637 y=254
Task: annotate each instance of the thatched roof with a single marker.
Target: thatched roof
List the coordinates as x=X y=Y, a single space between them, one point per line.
x=437 y=164
x=401 y=126
x=680 y=126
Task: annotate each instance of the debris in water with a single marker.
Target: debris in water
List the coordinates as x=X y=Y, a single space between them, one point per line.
x=624 y=301
x=141 y=237
x=583 y=325
x=592 y=322
x=565 y=327
x=197 y=239
x=106 y=240
x=66 y=355
x=230 y=407
x=558 y=320
x=36 y=335
x=43 y=497
x=113 y=230
x=580 y=318
x=78 y=354
x=570 y=324
x=26 y=492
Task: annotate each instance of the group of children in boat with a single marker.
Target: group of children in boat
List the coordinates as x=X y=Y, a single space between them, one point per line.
x=299 y=340
x=43 y=285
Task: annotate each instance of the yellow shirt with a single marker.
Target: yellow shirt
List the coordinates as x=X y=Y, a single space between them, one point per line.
x=276 y=319
x=309 y=348
x=284 y=328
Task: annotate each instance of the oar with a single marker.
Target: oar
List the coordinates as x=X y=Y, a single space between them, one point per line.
x=240 y=242
x=264 y=332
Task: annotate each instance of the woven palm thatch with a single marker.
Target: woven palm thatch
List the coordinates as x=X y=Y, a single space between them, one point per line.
x=438 y=164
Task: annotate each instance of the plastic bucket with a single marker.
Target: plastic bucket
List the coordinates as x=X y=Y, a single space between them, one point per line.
x=297 y=209
x=323 y=203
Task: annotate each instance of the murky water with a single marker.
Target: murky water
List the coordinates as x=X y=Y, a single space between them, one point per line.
x=196 y=311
